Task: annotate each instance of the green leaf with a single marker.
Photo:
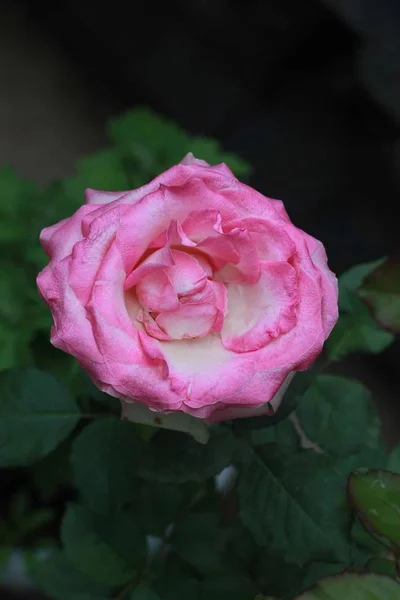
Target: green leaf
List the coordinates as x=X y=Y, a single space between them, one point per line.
x=381 y=292
x=102 y=171
x=283 y=435
x=184 y=588
x=382 y=566
x=352 y=280
x=275 y=576
x=357 y=332
x=354 y=587
x=143 y=592
x=375 y=496
x=240 y=550
x=338 y=414
x=315 y=571
x=107 y=550
x=296 y=505
x=89 y=390
x=284 y=506
x=196 y=538
x=174 y=457
x=103 y=459
x=53 y=471
x=228 y=587
x=394 y=460
x=17 y=196
x=60 y=580
x=158 y=505
x=151 y=144
x=36 y=414
x=152 y=141
x=14 y=349
x=211 y=151
x=369 y=544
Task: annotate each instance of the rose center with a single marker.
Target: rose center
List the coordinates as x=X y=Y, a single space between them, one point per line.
x=177 y=296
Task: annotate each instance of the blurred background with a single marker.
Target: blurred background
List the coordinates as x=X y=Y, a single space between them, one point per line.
x=308 y=92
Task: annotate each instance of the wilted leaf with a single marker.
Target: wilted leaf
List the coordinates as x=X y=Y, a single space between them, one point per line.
x=381 y=292
x=375 y=496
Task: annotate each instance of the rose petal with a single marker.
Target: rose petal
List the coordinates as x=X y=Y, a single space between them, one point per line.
x=190 y=160
x=261 y=312
x=225 y=412
x=148 y=218
x=152 y=327
x=187 y=276
x=176 y=421
x=328 y=282
x=173 y=236
x=100 y=197
x=189 y=321
x=88 y=254
x=156 y=261
x=72 y=332
x=59 y=239
x=247 y=269
x=220 y=250
x=270 y=238
x=200 y=224
x=156 y=293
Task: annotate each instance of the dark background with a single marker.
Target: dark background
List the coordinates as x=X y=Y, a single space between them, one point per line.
x=307 y=90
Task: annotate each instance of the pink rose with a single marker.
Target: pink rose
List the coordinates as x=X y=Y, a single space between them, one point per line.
x=193 y=293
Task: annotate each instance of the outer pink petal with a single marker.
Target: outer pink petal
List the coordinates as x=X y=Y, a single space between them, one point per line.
x=225 y=411
x=263 y=311
x=59 y=239
x=328 y=282
x=88 y=254
x=71 y=332
x=298 y=348
x=201 y=371
x=191 y=160
x=280 y=208
x=100 y=197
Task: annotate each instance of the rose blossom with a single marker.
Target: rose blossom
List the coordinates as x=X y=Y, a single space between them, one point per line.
x=194 y=293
